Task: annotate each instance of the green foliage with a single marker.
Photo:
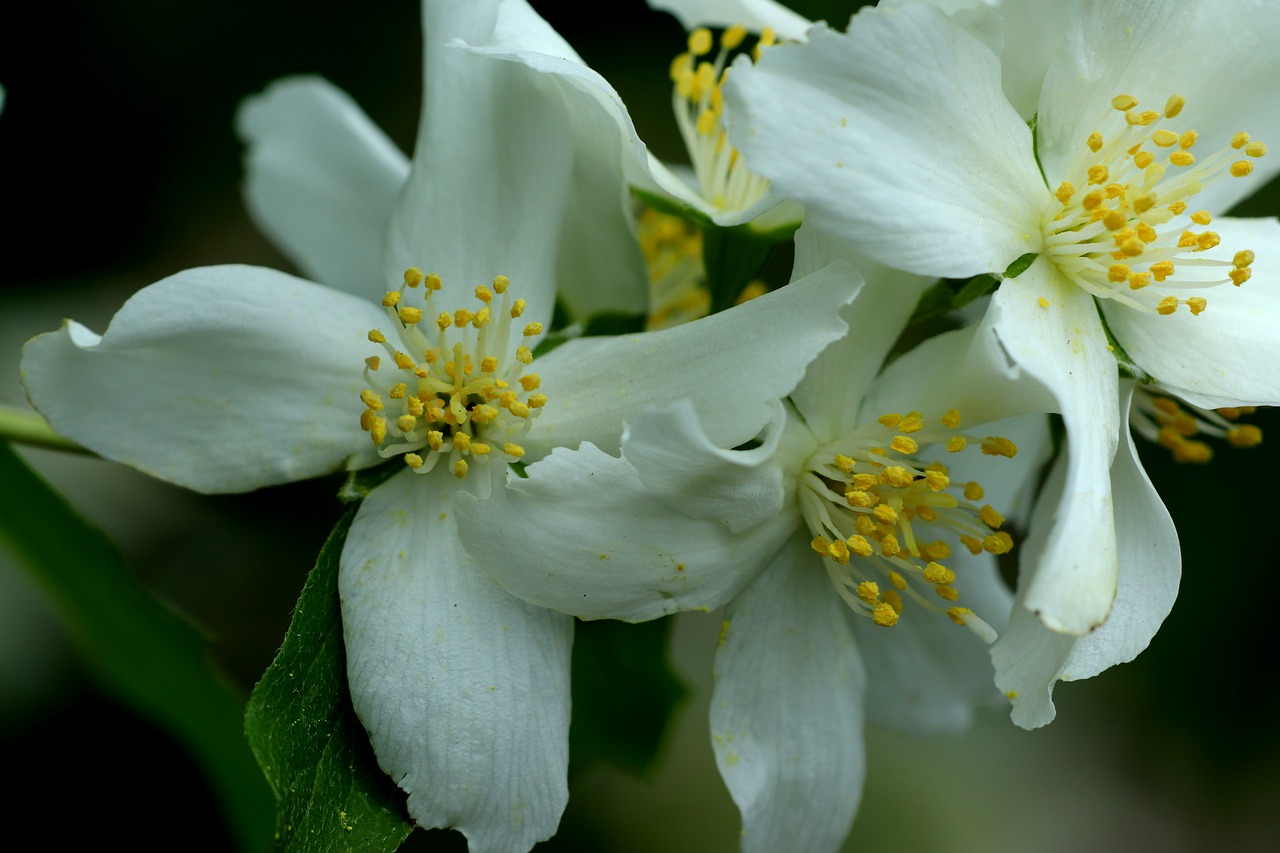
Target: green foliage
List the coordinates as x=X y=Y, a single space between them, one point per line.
x=331 y=795
x=143 y=653
x=623 y=694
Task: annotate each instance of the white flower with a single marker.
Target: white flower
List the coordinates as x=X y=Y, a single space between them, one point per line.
x=813 y=642
x=230 y=378
x=899 y=137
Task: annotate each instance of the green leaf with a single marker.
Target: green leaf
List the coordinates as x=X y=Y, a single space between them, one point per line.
x=330 y=794
x=624 y=693
x=733 y=257
x=142 y=652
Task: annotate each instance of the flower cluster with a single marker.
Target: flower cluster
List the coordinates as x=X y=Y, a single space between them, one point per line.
x=844 y=485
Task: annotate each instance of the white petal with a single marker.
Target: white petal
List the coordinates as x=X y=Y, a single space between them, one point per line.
x=1063 y=345
x=896 y=137
x=732 y=365
x=1150 y=569
x=221 y=379
x=786 y=709
x=831 y=392
x=926 y=673
x=1156 y=49
x=582 y=535
x=1230 y=354
x=320 y=180
x=600 y=265
x=681 y=467
x=1032 y=37
x=464 y=689
x=755 y=15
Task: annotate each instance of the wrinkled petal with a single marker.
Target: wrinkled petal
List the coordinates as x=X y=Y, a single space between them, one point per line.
x=831 y=392
x=1230 y=354
x=638 y=560
x=732 y=365
x=1156 y=50
x=786 y=709
x=463 y=689
x=1062 y=344
x=220 y=379
x=922 y=165
x=320 y=181
x=755 y=15
x=926 y=673
x=680 y=466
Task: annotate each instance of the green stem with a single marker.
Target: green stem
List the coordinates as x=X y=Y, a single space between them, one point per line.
x=27 y=427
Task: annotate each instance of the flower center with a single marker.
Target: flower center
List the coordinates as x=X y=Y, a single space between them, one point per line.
x=874 y=510
x=1121 y=226
x=1163 y=420
x=463 y=393
x=677 y=282
x=698 y=101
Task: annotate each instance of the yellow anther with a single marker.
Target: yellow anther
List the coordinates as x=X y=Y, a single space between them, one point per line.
x=998 y=543
x=415 y=406
x=1196 y=452
x=1118 y=273
x=1124 y=103
x=520 y=410
x=409 y=316
x=524 y=355
x=397 y=391
x=820 y=544
x=936 y=480
x=367 y=417
x=1093 y=200
x=889 y=546
x=1165 y=138
x=413 y=460
x=1245 y=435
x=767 y=37
x=869 y=591
x=506 y=399
x=460 y=468
x=897 y=476
x=513 y=450
x=956 y=443
x=844 y=463
x=1242 y=259
x=1144 y=118
x=972 y=543
x=859 y=498
x=433 y=281
x=885 y=514
x=1240 y=168
x=732 y=37
x=413 y=276
x=839 y=552
x=1162 y=270
x=444 y=321
x=1139 y=280
x=990 y=517
x=957 y=614
x=859 y=545
x=376 y=337
x=489 y=364
x=1174 y=105
x=435 y=439
x=1099 y=174
x=898 y=581
x=370 y=399
x=1187 y=140
x=406 y=423
x=378 y=431
x=1239 y=140
x=951 y=419
x=938 y=573
x=1167 y=305
x=865 y=481
x=461 y=441
x=1065 y=191
x=708 y=122
x=537 y=401
x=1255 y=149
x=1178 y=208
x=1132 y=247
x=1143 y=203
x=1182 y=158
x=1186 y=240
x=937 y=550
x=392 y=299
x=892 y=599
x=890 y=421
x=1197 y=304
x=462 y=317
x=947 y=592
x=530 y=381
x=914 y=422
x=372 y=362
x=700 y=41
x=1145 y=233
x=1095 y=142
x=532 y=329
x=1207 y=240
x=998 y=446
x=884 y=615
x=1201 y=217
x=904 y=444
x=404 y=362
x=1239 y=277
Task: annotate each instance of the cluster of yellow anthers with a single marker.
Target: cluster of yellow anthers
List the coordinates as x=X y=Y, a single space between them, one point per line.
x=677 y=282
x=1106 y=232
x=1163 y=420
x=698 y=100
x=462 y=393
x=873 y=508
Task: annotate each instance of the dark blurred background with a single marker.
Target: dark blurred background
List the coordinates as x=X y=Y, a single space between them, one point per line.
x=119 y=166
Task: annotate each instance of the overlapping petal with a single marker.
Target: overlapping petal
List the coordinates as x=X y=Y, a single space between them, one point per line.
x=787 y=708
x=922 y=165
x=463 y=689
x=221 y=379
x=755 y=15
x=321 y=180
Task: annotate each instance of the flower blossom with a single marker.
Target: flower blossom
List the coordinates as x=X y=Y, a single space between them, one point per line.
x=853 y=541
x=226 y=379
x=1100 y=140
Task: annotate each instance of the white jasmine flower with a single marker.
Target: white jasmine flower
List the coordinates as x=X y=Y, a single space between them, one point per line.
x=229 y=378
x=850 y=540
x=899 y=137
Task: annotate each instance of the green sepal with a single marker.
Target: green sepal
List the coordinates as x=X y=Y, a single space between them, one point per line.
x=360 y=483
x=141 y=651
x=330 y=794
x=1124 y=363
x=734 y=256
x=624 y=693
